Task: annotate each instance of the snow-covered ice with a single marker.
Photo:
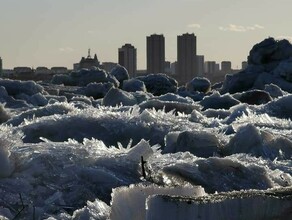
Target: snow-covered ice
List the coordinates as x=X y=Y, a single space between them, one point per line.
x=97 y=145
x=233 y=206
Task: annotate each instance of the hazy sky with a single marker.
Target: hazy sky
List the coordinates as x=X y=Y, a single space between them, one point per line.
x=58 y=32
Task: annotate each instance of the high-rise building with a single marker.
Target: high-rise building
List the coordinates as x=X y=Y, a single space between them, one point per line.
x=186 y=57
x=1 y=67
x=226 y=66
x=200 y=65
x=128 y=58
x=155 y=53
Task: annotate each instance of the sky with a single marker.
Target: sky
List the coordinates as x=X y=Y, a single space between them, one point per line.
x=59 y=32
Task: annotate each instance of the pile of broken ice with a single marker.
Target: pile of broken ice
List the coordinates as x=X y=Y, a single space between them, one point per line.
x=98 y=145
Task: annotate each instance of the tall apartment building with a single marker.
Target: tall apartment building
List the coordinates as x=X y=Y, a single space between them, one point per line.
x=186 y=57
x=128 y=58
x=155 y=53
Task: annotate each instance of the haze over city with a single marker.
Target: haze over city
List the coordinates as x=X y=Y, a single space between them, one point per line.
x=57 y=33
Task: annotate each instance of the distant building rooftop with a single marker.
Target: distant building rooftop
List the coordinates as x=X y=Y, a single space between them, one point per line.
x=89 y=62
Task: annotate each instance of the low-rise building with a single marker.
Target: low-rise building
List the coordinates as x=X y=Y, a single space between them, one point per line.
x=7 y=72
x=173 y=68
x=108 y=66
x=42 y=70
x=59 y=70
x=244 y=64
x=141 y=72
x=167 y=68
x=22 y=70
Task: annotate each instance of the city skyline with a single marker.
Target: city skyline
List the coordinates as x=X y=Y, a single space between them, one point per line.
x=57 y=33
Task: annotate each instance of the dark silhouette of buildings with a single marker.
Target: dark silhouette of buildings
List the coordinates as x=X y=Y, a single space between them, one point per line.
x=41 y=73
x=167 y=69
x=210 y=67
x=155 y=53
x=186 y=57
x=244 y=64
x=87 y=62
x=226 y=66
x=42 y=70
x=187 y=66
x=108 y=66
x=173 y=68
x=128 y=58
x=200 y=62
x=59 y=70
x=23 y=70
